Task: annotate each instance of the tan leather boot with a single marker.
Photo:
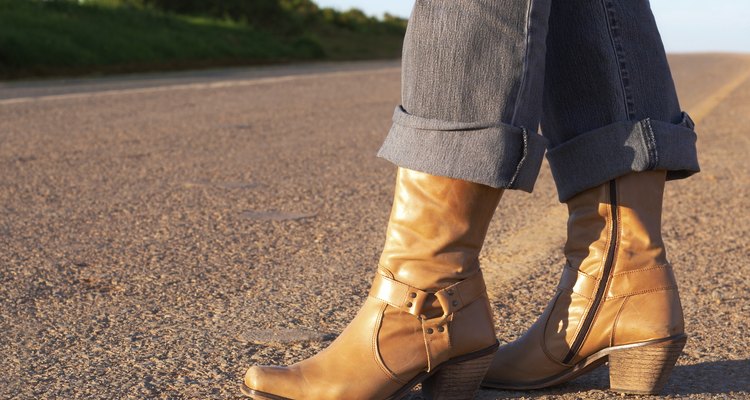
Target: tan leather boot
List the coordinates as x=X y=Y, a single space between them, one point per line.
x=427 y=318
x=617 y=299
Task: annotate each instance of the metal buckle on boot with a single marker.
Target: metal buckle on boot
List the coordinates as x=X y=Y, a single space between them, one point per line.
x=461 y=294
x=436 y=330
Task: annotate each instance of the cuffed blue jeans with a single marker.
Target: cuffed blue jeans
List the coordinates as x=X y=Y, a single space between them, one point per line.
x=479 y=77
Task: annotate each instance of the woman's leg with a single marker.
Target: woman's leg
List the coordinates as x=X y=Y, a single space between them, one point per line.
x=472 y=77
x=616 y=133
x=610 y=105
x=467 y=129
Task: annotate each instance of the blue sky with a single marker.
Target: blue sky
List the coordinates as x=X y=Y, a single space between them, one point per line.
x=685 y=25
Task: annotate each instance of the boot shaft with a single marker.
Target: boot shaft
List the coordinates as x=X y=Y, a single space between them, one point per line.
x=617 y=225
x=436 y=229
x=616 y=290
x=622 y=288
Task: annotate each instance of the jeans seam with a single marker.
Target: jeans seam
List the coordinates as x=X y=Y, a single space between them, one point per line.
x=618 y=51
x=524 y=155
x=687 y=121
x=650 y=141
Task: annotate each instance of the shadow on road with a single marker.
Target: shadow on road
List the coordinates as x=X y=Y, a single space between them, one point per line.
x=713 y=378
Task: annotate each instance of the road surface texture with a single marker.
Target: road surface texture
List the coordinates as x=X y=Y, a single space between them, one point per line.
x=161 y=233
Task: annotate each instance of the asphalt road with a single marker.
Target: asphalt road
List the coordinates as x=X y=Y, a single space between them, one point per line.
x=161 y=233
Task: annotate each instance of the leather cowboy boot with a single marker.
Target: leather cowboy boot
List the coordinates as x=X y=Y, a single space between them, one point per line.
x=427 y=318
x=617 y=300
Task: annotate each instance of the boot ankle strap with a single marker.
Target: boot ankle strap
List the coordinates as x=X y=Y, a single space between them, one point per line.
x=436 y=331
x=623 y=284
x=411 y=300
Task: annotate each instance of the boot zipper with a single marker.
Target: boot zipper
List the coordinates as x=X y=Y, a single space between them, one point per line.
x=608 y=265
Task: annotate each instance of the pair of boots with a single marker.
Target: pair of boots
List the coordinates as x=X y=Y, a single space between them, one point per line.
x=428 y=320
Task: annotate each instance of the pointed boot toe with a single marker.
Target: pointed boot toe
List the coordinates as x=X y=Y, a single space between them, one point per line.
x=270 y=383
x=519 y=365
x=504 y=370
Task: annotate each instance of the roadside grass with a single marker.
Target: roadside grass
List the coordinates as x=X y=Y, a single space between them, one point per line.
x=48 y=38
x=360 y=46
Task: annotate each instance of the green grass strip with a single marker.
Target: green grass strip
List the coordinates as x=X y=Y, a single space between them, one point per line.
x=63 y=38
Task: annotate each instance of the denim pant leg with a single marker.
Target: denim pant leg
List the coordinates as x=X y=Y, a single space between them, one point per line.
x=610 y=105
x=472 y=78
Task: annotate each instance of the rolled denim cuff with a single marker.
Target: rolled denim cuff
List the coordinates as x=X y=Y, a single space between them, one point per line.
x=492 y=154
x=595 y=157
